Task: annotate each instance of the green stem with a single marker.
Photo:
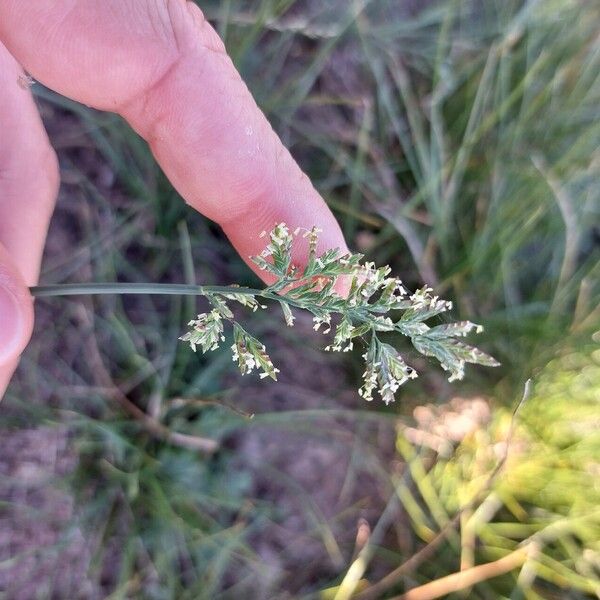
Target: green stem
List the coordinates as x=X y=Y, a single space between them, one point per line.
x=170 y=289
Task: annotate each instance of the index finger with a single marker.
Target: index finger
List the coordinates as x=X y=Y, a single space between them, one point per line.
x=162 y=66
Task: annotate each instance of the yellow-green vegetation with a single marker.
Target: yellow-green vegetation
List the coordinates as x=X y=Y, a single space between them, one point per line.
x=546 y=494
x=513 y=509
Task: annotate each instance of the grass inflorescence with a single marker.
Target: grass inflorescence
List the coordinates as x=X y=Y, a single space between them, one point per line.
x=368 y=309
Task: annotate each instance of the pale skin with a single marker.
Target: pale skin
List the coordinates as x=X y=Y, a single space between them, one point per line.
x=161 y=66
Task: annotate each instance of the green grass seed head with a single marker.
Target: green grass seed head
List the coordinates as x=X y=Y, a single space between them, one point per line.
x=376 y=303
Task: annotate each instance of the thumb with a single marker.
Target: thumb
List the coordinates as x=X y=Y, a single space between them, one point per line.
x=16 y=317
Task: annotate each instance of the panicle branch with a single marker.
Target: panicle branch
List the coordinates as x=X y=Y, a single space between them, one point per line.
x=375 y=303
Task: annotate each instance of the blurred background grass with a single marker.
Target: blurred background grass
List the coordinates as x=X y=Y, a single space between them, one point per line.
x=457 y=141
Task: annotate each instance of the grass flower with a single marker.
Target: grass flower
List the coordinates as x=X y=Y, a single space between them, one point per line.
x=376 y=303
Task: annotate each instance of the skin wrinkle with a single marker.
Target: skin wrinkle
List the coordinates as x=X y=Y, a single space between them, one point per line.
x=139 y=103
x=58 y=26
x=169 y=22
x=253 y=176
x=12 y=282
x=206 y=34
x=101 y=73
x=158 y=21
x=8 y=283
x=150 y=130
x=29 y=176
x=257 y=182
x=176 y=13
x=166 y=26
x=212 y=41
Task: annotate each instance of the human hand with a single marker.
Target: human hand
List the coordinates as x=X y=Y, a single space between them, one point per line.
x=163 y=68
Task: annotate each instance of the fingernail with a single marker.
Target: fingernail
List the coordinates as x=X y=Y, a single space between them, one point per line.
x=11 y=325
